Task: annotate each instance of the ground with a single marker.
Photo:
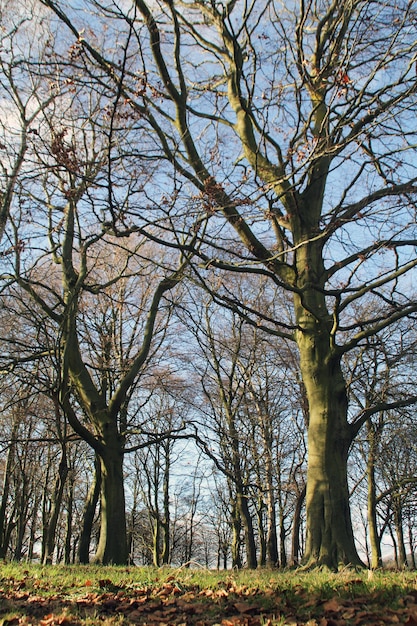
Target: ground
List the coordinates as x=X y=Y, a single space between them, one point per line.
x=117 y=596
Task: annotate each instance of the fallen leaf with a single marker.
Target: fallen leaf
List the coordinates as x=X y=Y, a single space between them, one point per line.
x=134 y=616
x=333 y=605
x=411 y=596
x=245 y=607
x=169 y=579
x=166 y=590
x=55 y=620
x=110 y=604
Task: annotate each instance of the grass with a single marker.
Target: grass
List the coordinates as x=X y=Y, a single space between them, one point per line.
x=88 y=595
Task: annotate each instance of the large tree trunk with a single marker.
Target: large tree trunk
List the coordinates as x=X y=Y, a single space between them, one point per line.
x=108 y=444
x=330 y=540
x=112 y=546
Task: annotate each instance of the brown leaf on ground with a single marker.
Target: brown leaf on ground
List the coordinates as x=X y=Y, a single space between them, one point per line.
x=56 y=620
x=169 y=604
x=245 y=607
x=333 y=605
x=104 y=582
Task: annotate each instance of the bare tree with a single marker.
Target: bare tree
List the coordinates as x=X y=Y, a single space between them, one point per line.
x=289 y=129
x=86 y=261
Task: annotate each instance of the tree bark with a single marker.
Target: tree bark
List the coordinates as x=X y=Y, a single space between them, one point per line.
x=376 y=557
x=112 y=546
x=282 y=543
x=271 y=538
x=411 y=544
x=394 y=544
x=329 y=531
x=33 y=528
x=250 y=543
x=166 y=522
x=295 y=543
x=22 y=506
x=88 y=514
x=260 y=520
x=398 y=520
x=156 y=539
x=329 y=540
x=108 y=444
x=236 y=530
x=4 y=535
x=68 y=536
x=271 y=533
x=55 y=511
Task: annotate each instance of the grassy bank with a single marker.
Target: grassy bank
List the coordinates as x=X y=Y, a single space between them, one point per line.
x=86 y=595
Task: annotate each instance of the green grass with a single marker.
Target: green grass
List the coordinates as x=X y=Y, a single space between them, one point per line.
x=88 y=595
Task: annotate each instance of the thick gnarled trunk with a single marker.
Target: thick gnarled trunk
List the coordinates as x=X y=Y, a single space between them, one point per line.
x=329 y=540
x=112 y=546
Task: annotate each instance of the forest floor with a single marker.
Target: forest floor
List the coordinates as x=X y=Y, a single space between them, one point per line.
x=115 y=596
